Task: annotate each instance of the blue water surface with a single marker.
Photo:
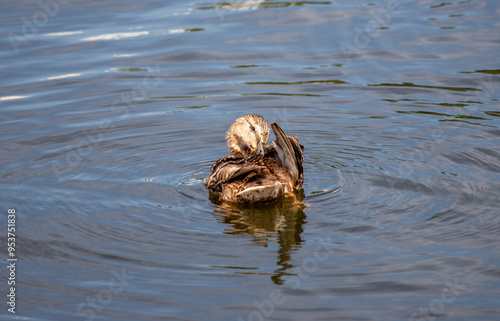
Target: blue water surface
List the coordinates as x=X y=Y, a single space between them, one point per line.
x=112 y=113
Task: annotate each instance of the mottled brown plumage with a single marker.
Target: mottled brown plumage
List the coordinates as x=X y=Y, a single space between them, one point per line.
x=254 y=172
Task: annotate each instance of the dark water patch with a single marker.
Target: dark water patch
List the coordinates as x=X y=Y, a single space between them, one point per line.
x=442 y=4
x=332 y=81
x=493 y=72
x=425 y=86
x=249 y=66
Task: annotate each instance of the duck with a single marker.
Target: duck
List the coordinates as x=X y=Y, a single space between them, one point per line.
x=254 y=172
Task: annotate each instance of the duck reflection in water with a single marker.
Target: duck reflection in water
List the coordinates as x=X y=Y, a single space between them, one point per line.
x=280 y=221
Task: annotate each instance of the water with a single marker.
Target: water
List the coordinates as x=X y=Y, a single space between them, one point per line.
x=113 y=112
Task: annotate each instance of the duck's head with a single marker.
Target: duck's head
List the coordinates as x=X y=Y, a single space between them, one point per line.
x=248 y=135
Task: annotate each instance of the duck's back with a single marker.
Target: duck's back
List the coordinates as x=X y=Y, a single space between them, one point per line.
x=238 y=179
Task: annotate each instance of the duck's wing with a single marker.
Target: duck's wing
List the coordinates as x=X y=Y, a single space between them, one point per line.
x=289 y=153
x=227 y=169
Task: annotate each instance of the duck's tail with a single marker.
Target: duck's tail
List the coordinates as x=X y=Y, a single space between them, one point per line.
x=289 y=153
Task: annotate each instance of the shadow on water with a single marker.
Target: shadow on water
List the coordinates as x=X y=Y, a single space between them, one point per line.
x=280 y=221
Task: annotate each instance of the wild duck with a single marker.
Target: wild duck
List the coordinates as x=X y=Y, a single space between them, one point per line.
x=255 y=172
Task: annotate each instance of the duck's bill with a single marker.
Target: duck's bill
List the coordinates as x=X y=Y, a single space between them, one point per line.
x=259 y=150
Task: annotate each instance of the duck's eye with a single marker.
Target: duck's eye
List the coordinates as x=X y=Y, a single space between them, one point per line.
x=252 y=128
